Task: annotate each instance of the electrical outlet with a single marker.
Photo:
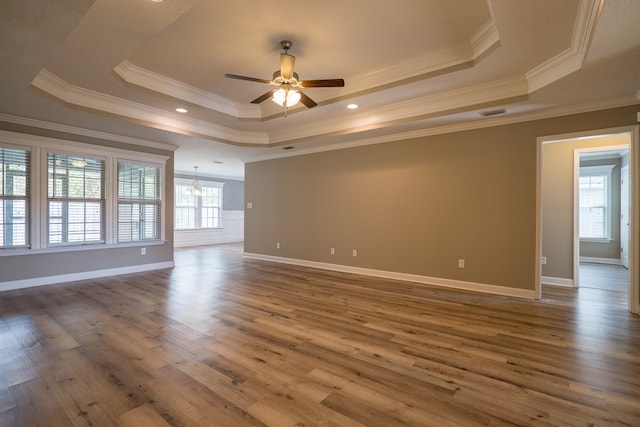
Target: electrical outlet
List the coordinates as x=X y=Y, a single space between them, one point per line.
x=333 y=251
x=249 y=205
x=460 y=263
x=143 y=251
x=354 y=252
x=277 y=245
x=543 y=260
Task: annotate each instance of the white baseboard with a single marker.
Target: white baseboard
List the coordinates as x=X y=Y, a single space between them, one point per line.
x=85 y=275
x=436 y=281
x=596 y=260
x=556 y=281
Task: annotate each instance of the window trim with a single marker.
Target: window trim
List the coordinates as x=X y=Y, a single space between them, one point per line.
x=47 y=212
x=116 y=201
x=39 y=146
x=600 y=170
x=204 y=183
x=28 y=198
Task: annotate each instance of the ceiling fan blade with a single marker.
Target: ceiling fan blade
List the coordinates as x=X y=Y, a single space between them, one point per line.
x=286 y=65
x=323 y=83
x=310 y=103
x=264 y=97
x=251 y=79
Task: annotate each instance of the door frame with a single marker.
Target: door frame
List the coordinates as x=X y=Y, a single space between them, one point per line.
x=634 y=183
x=627 y=214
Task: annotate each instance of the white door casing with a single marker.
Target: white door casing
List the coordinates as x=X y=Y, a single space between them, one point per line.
x=625 y=216
x=634 y=207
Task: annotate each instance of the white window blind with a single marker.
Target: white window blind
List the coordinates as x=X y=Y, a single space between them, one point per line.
x=76 y=199
x=15 y=191
x=139 y=202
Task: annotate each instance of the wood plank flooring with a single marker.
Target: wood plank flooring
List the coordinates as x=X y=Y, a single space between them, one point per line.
x=224 y=341
x=604 y=276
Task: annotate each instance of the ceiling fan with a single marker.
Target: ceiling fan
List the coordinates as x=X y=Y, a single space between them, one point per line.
x=287 y=92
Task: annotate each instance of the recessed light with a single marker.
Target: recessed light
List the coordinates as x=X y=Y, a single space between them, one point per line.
x=156 y=1
x=181 y=110
x=352 y=106
x=288 y=147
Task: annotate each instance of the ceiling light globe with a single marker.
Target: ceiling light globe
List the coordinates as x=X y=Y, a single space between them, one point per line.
x=292 y=98
x=279 y=97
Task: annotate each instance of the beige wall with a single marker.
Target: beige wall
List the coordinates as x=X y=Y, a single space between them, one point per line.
x=413 y=206
x=557 y=203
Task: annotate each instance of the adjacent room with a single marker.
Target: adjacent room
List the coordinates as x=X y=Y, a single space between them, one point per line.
x=362 y=213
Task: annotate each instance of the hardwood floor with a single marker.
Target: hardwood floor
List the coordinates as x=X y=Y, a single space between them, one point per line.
x=604 y=276
x=224 y=341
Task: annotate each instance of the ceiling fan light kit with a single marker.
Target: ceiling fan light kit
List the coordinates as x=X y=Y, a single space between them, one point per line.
x=286 y=97
x=288 y=83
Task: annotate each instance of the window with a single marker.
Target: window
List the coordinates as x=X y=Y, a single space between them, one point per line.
x=60 y=196
x=139 y=202
x=197 y=211
x=76 y=199
x=14 y=197
x=594 y=202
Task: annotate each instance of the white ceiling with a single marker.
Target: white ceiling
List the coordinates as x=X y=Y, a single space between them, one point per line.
x=414 y=67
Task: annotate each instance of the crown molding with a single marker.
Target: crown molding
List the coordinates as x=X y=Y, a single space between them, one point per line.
x=414 y=108
x=570 y=60
x=412 y=68
x=40 y=124
x=440 y=61
x=64 y=145
x=149 y=80
x=486 y=37
x=60 y=89
x=480 y=123
x=419 y=107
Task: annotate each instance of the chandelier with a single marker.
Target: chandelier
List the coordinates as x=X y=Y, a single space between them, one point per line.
x=196 y=188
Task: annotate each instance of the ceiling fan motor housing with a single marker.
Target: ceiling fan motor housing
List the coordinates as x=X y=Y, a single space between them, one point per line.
x=277 y=74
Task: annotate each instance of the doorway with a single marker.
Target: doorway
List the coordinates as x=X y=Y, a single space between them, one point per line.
x=600 y=241
x=558 y=242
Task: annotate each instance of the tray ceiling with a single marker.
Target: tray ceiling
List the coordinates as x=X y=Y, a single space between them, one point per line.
x=414 y=67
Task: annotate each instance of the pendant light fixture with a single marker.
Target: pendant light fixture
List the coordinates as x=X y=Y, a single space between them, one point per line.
x=196 y=188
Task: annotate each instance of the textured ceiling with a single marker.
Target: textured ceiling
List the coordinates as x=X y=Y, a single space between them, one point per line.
x=413 y=66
